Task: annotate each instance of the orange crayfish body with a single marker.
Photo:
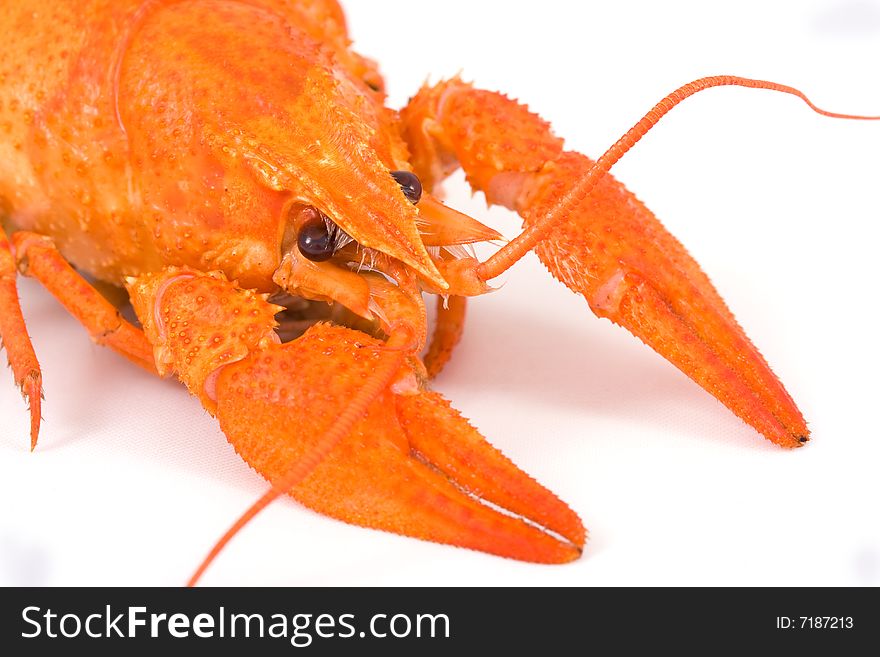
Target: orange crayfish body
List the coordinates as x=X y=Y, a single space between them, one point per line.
x=119 y=144
x=231 y=167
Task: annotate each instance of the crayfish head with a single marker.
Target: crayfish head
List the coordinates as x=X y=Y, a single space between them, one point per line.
x=278 y=157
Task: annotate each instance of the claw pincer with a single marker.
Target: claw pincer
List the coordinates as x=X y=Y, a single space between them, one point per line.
x=410 y=464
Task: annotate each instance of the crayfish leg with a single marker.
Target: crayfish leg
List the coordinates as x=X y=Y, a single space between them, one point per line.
x=14 y=337
x=38 y=258
x=449 y=327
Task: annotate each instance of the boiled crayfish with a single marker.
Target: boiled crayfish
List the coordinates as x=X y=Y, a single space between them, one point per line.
x=232 y=165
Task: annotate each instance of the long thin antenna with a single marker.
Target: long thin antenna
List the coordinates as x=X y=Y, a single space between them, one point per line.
x=533 y=234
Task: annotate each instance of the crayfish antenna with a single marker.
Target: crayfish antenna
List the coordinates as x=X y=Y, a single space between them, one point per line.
x=372 y=388
x=517 y=248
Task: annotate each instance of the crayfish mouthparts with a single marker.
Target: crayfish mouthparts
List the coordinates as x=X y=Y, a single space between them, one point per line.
x=322 y=263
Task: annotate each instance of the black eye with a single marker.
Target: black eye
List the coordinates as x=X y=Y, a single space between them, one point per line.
x=316 y=238
x=410 y=184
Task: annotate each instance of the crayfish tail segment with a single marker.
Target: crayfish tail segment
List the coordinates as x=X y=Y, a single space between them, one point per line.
x=15 y=339
x=275 y=406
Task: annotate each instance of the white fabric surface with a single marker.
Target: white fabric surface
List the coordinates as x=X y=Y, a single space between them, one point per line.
x=132 y=481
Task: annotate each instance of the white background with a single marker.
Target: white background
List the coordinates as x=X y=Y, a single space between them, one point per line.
x=132 y=481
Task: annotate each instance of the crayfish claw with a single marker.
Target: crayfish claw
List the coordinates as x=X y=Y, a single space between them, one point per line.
x=399 y=469
x=598 y=239
x=444 y=439
x=631 y=270
x=341 y=421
